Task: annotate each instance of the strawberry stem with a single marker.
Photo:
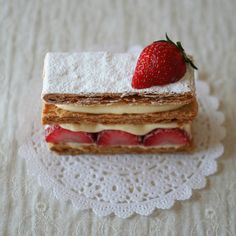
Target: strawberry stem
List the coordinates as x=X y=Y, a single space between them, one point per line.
x=180 y=47
x=168 y=39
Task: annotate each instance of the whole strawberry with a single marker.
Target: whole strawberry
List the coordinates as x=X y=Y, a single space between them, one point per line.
x=162 y=62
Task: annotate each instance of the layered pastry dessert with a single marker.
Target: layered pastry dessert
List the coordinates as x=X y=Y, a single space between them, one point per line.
x=103 y=102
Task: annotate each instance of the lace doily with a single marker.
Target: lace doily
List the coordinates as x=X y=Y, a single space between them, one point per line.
x=127 y=184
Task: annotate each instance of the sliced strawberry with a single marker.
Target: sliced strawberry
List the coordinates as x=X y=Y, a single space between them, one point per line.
x=56 y=134
x=117 y=137
x=173 y=136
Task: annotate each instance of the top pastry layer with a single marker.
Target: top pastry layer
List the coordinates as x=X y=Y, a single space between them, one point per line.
x=97 y=74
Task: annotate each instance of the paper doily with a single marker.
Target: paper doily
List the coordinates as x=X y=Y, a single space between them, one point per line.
x=127 y=184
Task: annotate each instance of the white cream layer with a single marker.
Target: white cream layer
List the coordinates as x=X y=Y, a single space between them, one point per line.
x=119 y=109
x=130 y=128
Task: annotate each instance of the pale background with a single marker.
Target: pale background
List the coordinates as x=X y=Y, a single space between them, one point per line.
x=28 y=29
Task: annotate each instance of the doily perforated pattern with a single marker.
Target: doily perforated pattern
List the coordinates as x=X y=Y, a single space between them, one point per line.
x=127 y=184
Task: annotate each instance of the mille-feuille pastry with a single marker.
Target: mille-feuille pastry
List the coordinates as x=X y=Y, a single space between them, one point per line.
x=102 y=102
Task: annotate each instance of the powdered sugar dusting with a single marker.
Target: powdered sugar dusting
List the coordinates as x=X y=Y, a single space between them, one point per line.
x=90 y=73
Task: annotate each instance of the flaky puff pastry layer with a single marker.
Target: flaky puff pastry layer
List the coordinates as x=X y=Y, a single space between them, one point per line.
x=64 y=149
x=51 y=114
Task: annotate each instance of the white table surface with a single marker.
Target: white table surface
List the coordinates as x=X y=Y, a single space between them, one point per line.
x=29 y=29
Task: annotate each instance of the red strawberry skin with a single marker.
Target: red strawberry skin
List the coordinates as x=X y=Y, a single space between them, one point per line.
x=160 y=63
x=116 y=137
x=173 y=136
x=56 y=134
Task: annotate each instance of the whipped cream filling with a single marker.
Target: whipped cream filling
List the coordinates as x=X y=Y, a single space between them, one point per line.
x=130 y=128
x=119 y=109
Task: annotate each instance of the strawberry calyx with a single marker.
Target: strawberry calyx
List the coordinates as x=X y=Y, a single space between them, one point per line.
x=181 y=49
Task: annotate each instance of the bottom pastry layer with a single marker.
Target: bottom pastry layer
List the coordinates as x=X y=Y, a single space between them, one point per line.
x=76 y=149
